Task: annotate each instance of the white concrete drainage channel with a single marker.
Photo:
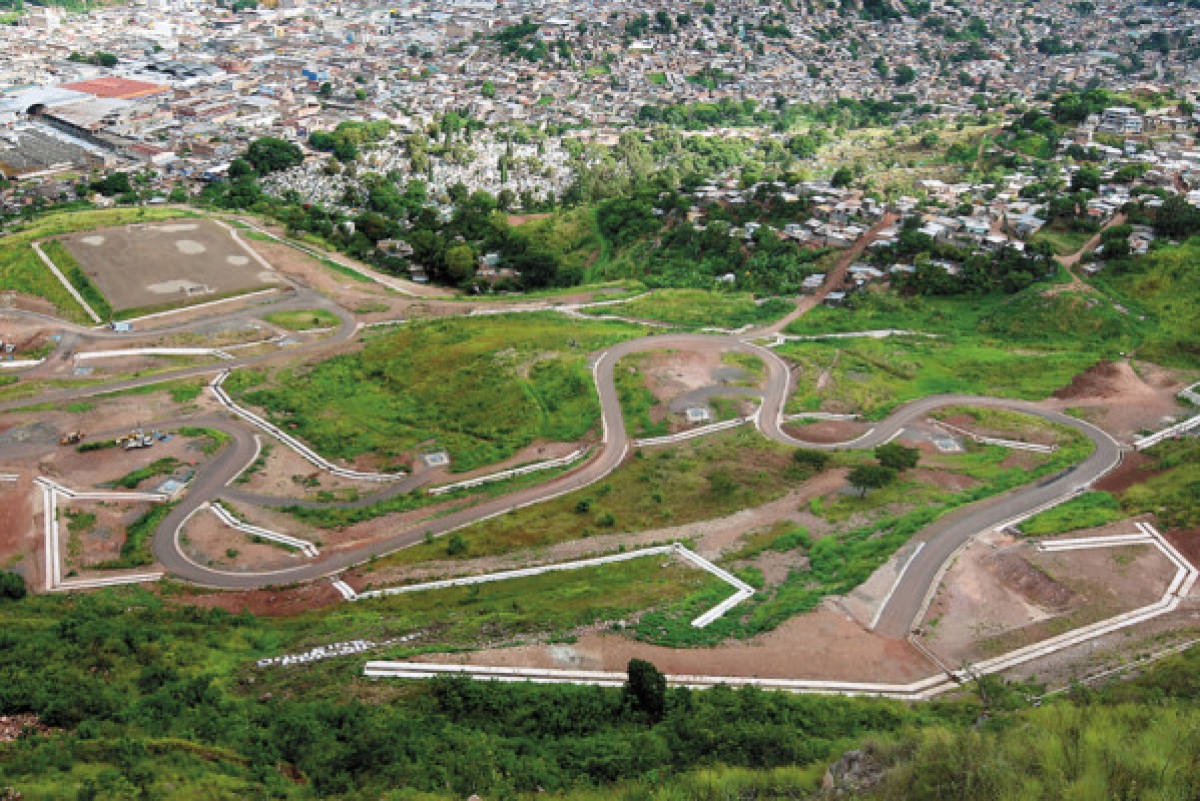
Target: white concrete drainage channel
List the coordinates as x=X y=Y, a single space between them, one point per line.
x=501 y=475
x=304 y=546
x=742 y=589
x=51 y=491
x=1179 y=587
x=1014 y=444
x=299 y=447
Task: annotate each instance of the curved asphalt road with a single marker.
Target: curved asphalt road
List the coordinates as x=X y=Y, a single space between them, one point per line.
x=942 y=538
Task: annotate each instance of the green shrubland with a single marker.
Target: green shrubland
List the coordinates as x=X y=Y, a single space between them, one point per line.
x=482 y=388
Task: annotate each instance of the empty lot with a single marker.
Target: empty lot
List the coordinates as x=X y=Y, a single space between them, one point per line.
x=173 y=262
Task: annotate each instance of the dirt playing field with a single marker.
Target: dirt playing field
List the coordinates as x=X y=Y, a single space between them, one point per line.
x=176 y=261
x=1001 y=593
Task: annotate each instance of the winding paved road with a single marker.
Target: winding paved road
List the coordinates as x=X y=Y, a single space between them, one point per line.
x=942 y=538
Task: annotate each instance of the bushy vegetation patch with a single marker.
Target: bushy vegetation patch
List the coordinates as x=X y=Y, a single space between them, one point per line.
x=1087 y=510
x=872 y=377
x=135 y=551
x=482 y=388
x=698 y=308
x=302 y=320
x=1174 y=494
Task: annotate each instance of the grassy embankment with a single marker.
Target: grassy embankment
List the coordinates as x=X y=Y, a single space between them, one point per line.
x=162 y=726
x=1024 y=346
x=302 y=320
x=697 y=308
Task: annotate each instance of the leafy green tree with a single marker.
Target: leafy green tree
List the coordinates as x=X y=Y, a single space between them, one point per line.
x=269 y=154
x=870 y=476
x=897 y=457
x=647 y=687
x=488 y=89
x=842 y=176
x=239 y=168
x=116 y=183
x=1176 y=218
x=326 y=90
x=810 y=460
x=460 y=264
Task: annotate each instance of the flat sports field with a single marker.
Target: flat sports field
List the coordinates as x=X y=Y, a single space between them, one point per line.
x=173 y=262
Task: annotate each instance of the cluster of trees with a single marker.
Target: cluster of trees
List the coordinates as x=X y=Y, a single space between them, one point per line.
x=1074 y=107
x=1177 y=218
x=892 y=459
x=675 y=253
x=345 y=141
x=450 y=736
x=100 y=58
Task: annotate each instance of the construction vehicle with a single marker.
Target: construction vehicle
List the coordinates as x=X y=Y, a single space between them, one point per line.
x=135 y=440
x=71 y=438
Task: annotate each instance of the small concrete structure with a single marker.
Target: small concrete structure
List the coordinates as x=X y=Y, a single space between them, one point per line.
x=698 y=414
x=436 y=459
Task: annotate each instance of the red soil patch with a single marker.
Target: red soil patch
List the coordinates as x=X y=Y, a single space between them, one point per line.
x=822 y=644
x=827 y=430
x=1132 y=470
x=520 y=219
x=1013 y=570
x=270 y=602
x=942 y=480
x=16 y=514
x=1103 y=380
x=1187 y=540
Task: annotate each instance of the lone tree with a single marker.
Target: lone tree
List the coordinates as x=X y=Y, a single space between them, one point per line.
x=870 y=476
x=647 y=687
x=269 y=154
x=897 y=457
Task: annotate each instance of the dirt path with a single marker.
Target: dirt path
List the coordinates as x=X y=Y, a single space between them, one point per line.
x=833 y=280
x=1072 y=259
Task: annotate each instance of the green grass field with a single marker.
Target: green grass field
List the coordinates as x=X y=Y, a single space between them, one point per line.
x=1085 y=511
x=1173 y=495
x=873 y=376
x=1064 y=242
x=697 y=308
x=482 y=388
x=302 y=320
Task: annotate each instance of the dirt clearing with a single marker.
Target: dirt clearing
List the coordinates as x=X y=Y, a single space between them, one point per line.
x=164 y=263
